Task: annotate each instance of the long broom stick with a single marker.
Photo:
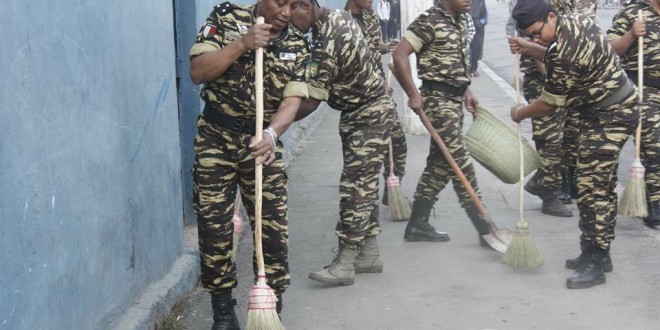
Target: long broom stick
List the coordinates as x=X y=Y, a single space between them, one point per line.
x=633 y=200
x=262 y=313
x=396 y=199
x=522 y=252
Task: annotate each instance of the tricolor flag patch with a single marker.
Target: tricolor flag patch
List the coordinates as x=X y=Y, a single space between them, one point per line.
x=210 y=31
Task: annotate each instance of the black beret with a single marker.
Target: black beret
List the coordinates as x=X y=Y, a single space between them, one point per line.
x=528 y=12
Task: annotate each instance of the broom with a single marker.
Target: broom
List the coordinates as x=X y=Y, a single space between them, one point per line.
x=262 y=312
x=238 y=226
x=396 y=199
x=633 y=200
x=399 y=207
x=522 y=252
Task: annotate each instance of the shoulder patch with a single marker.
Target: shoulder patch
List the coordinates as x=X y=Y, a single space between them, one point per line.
x=225 y=8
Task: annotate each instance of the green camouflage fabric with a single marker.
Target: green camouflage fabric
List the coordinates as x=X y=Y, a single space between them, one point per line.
x=441 y=43
x=284 y=64
x=650 y=138
x=343 y=73
x=547 y=132
x=584 y=7
x=223 y=161
x=446 y=115
x=370 y=25
x=582 y=70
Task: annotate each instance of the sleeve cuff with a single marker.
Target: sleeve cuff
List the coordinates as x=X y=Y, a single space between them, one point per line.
x=413 y=40
x=295 y=89
x=201 y=48
x=317 y=93
x=552 y=99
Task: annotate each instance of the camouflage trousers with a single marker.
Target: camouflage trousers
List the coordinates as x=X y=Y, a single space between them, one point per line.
x=547 y=134
x=569 y=145
x=446 y=115
x=399 y=147
x=650 y=146
x=222 y=163
x=363 y=133
x=600 y=144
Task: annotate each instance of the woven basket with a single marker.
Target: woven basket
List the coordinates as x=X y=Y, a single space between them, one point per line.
x=494 y=144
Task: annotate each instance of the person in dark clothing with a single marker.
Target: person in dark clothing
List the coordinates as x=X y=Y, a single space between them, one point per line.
x=480 y=17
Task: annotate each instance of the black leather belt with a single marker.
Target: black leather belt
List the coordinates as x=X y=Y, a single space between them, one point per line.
x=234 y=124
x=444 y=87
x=621 y=94
x=648 y=80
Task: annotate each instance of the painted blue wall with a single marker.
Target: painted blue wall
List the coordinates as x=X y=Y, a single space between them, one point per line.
x=91 y=199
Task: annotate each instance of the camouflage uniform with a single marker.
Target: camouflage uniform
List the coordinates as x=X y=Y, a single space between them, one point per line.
x=223 y=158
x=584 y=75
x=368 y=22
x=441 y=43
x=343 y=72
x=650 y=143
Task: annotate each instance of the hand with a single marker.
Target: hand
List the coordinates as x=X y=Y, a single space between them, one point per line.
x=470 y=102
x=264 y=151
x=393 y=44
x=517 y=44
x=257 y=36
x=389 y=90
x=416 y=103
x=639 y=28
x=515 y=115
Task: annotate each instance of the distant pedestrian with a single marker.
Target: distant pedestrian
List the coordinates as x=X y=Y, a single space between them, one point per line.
x=479 y=15
x=384 y=16
x=597 y=87
x=394 y=25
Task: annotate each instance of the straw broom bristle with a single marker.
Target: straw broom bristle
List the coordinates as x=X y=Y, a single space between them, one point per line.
x=399 y=206
x=522 y=252
x=262 y=310
x=633 y=200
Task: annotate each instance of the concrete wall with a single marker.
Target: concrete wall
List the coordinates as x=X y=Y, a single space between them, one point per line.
x=90 y=205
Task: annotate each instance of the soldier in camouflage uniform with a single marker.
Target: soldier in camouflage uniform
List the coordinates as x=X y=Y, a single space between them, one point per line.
x=623 y=35
x=441 y=40
x=343 y=73
x=368 y=22
x=223 y=59
x=584 y=75
x=547 y=132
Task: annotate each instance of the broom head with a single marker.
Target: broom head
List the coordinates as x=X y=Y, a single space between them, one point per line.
x=522 y=252
x=633 y=200
x=262 y=312
x=399 y=206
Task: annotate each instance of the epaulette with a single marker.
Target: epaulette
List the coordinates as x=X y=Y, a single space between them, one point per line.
x=225 y=8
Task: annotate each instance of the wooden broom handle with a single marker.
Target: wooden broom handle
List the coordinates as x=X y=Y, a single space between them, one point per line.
x=640 y=86
x=521 y=154
x=389 y=147
x=258 y=171
x=454 y=165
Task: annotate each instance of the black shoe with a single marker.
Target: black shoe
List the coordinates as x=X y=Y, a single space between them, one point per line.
x=592 y=275
x=418 y=228
x=564 y=192
x=580 y=263
x=653 y=219
x=279 y=304
x=553 y=206
x=385 y=201
x=224 y=317
x=479 y=223
x=534 y=187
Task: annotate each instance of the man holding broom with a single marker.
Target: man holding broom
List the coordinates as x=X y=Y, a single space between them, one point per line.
x=440 y=40
x=624 y=34
x=583 y=74
x=223 y=59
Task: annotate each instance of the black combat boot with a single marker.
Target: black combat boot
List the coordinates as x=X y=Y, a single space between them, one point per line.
x=224 y=317
x=593 y=273
x=385 y=201
x=653 y=219
x=580 y=263
x=419 y=229
x=479 y=223
x=572 y=181
x=534 y=187
x=279 y=304
x=564 y=191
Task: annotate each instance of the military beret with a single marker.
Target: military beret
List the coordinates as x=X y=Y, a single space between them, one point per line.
x=528 y=12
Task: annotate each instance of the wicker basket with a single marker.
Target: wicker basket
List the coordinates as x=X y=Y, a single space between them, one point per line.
x=494 y=144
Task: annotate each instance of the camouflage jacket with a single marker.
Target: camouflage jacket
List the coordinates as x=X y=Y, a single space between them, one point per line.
x=370 y=25
x=342 y=70
x=584 y=7
x=442 y=45
x=623 y=22
x=284 y=64
x=581 y=66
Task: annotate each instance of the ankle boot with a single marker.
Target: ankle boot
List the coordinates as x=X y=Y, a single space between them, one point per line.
x=564 y=192
x=279 y=304
x=368 y=260
x=534 y=187
x=385 y=201
x=593 y=274
x=572 y=182
x=580 y=263
x=342 y=269
x=479 y=223
x=553 y=206
x=419 y=229
x=224 y=317
x=653 y=219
